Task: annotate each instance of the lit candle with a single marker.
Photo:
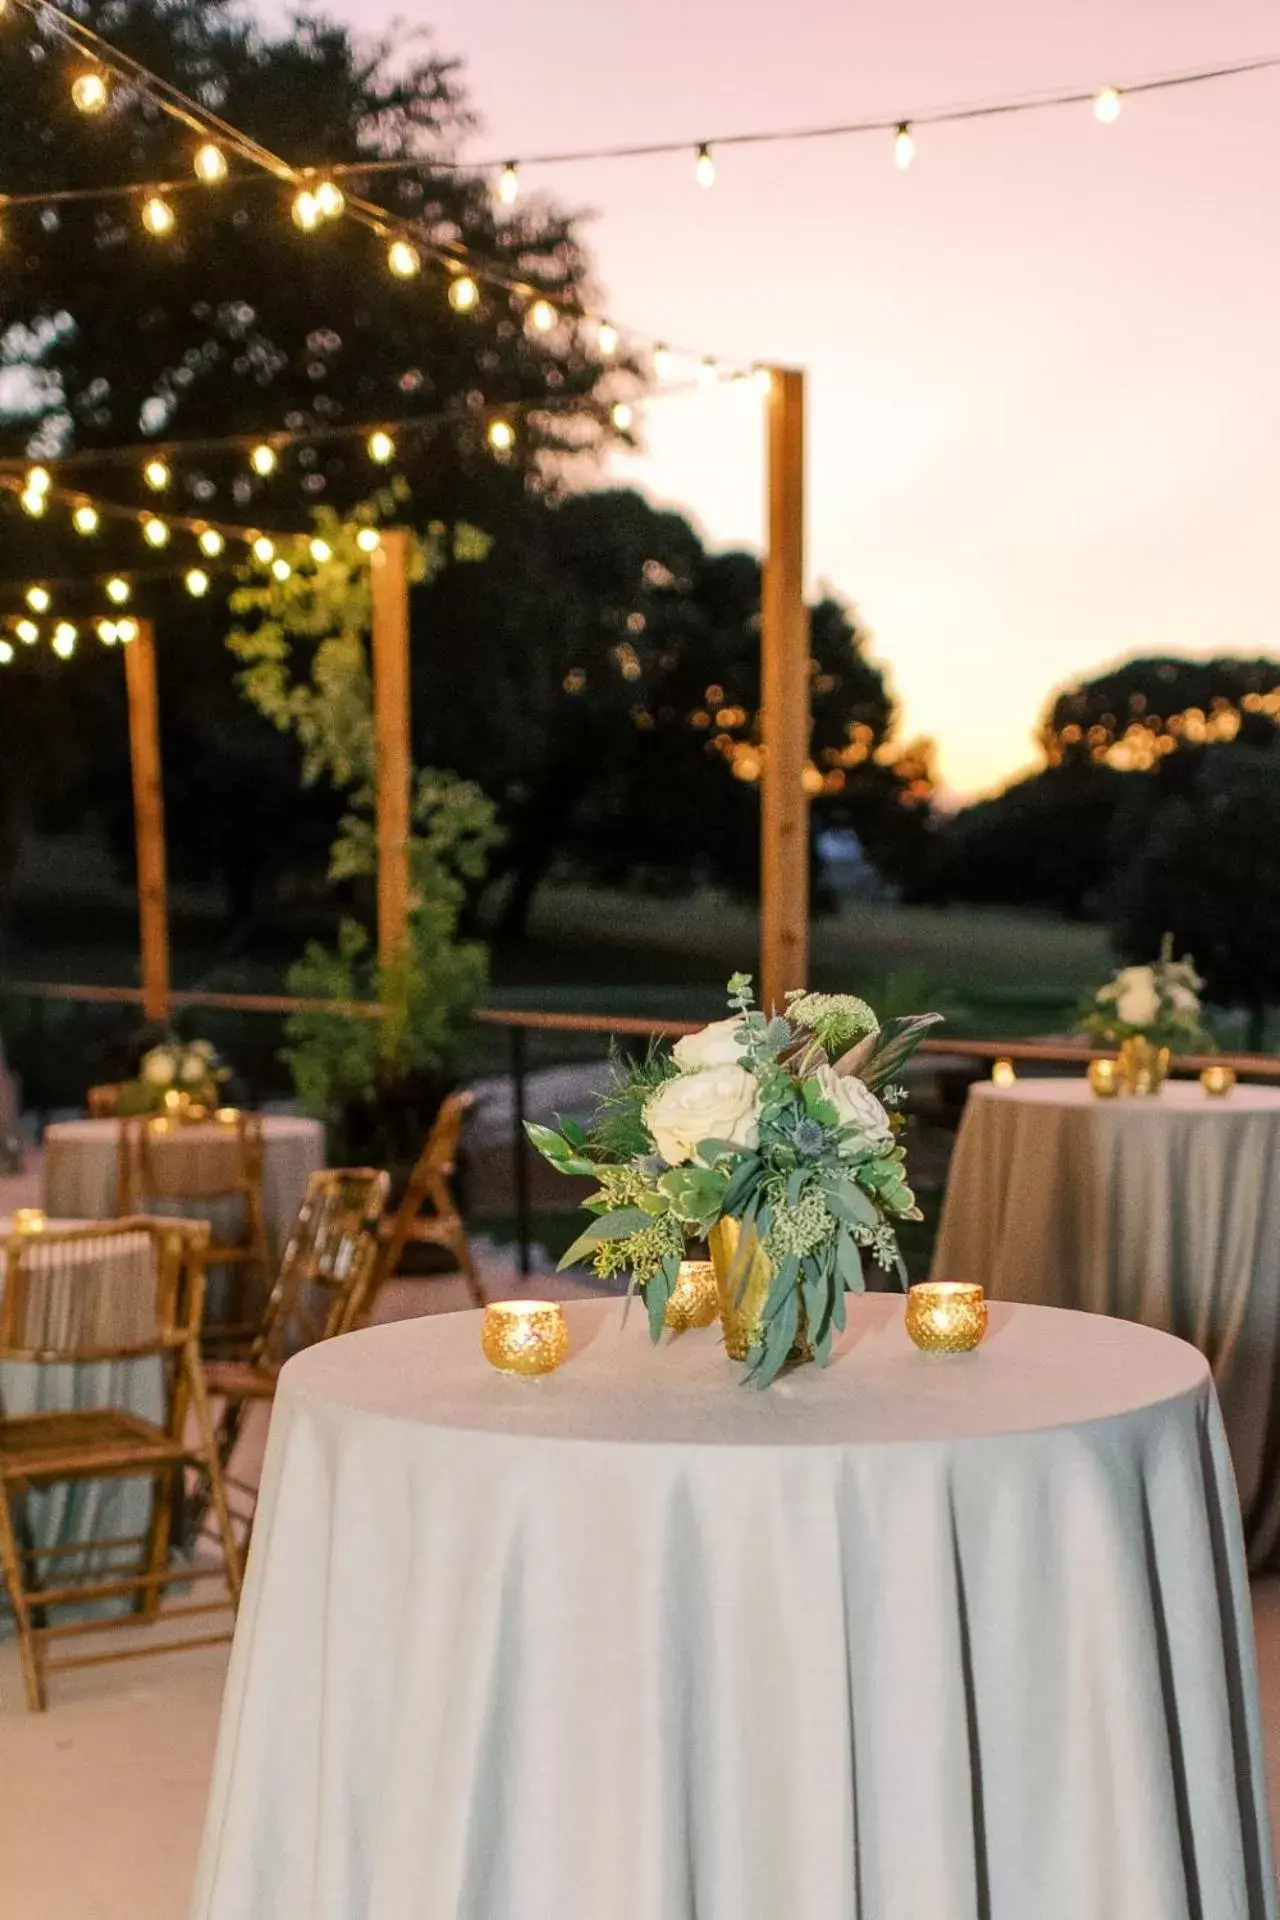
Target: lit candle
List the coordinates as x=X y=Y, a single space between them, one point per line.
x=1104 y=1078
x=946 y=1316
x=524 y=1336
x=1003 y=1073
x=1218 y=1081
x=29 y=1220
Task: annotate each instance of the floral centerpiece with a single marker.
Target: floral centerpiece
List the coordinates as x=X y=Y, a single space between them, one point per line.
x=1149 y=1013
x=776 y=1139
x=179 y=1075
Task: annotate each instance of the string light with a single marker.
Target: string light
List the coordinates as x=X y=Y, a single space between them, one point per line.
x=157 y=475
x=34 y=503
x=607 y=338
x=704 y=167
x=38 y=480
x=708 y=373
x=210 y=542
x=542 y=316
x=501 y=436
x=108 y=632
x=1106 y=106
x=39 y=599
x=6 y=654
x=762 y=380
x=621 y=415
x=28 y=632
x=509 y=184
x=330 y=200
x=64 y=639
x=196 y=582
x=262 y=549
x=281 y=570
x=463 y=293
x=117 y=591
x=126 y=631
x=263 y=459
x=158 y=216
x=662 y=361
x=368 y=539
x=321 y=551
x=89 y=91
x=155 y=533
x=210 y=164
x=306 y=210
x=904 y=147
x=404 y=260
x=382 y=448
x=86 y=519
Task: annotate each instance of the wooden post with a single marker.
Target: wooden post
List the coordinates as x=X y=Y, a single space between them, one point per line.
x=390 y=573
x=785 y=704
x=148 y=820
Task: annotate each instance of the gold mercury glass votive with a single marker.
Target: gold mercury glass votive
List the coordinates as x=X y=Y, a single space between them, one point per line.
x=1003 y=1073
x=695 y=1298
x=29 y=1220
x=1104 y=1078
x=524 y=1336
x=1218 y=1080
x=946 y=1316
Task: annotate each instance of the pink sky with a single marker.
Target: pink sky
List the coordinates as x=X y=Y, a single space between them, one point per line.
x=1044 y=363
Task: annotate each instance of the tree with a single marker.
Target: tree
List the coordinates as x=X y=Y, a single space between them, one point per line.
x=1046 y=841
x=1135 y=714
x=1207 y=870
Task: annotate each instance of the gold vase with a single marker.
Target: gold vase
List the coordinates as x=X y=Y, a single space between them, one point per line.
x=744 y=1274
x=1143 y=1065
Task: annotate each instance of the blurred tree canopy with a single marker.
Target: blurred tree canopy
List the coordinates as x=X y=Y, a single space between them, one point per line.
x=1132 y=716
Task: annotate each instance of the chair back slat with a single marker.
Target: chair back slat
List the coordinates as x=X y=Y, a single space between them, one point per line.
x=164 y=1161
x=114 y=1290
x=327 y=1263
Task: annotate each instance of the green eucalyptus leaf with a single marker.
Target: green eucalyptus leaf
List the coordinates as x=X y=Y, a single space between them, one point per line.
x=657 y=1293
x=619 y=1225
x=851 y=1206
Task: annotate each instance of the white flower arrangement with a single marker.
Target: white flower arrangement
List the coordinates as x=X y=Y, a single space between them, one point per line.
x=189 y=1067
x=1159 y=1003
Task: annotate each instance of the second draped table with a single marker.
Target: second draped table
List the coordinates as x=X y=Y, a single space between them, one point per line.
x=1163 y=1209
x=905 y=1639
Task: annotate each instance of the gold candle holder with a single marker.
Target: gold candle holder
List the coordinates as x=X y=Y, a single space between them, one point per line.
x=28 y=1220
x=1218 y=1080
x=1104 y=1078
x=1003 y=1073
x=228 y=1116
x=528 y=1337
x=946 y=1316
x=695 y=1298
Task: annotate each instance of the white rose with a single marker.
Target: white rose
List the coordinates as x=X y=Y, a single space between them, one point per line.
x=1137 y=1002
x=194 y=1069
x=715 y=1046
x=855 y=1103
x=1182 y=999
x=716 y=1104
x=159 y=1067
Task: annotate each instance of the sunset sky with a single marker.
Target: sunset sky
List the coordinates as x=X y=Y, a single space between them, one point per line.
x=1044 y=363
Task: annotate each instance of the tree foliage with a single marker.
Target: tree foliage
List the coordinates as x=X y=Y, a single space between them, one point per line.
x=1134 y=715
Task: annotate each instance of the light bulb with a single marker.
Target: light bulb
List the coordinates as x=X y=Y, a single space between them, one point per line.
x=211 y=542
x=607 y=338
x=28 y=632
x=368 y=539
x=126 y=630
x=89 y=91
x=762 y=379
x=39 y=599
x=501 y=436
x=157 y=216
x=542 y=316
x=306 y=210
x=155 y=533
x=210 y=164
x=330 y=199
x=85 y=519
x=107 y=632
x=157 y=475
x=509 y=184
x=321 y=551
x=281 y=569
x=621 y=415
x=64 y=639
x=197 y=583
x=662 y=362
x=704 y=167
x=708 y=372
x=38 y=480
x=263 y=550
x=381 y=448
x=34 y=503
x=6 y=653
x=263 y=459
x=904 y=147
x=463 y=293
x=1106 y=106
x=404 y=260
x=117 y=591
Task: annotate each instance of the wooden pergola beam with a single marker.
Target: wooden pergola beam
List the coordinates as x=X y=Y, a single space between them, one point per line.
x=148 y=819
x=390 y=580
x=785 y=703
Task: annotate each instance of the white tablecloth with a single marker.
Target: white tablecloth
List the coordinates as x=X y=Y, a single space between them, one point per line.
x=80 y=1167
x=1164 y=1210
x=908 y=1639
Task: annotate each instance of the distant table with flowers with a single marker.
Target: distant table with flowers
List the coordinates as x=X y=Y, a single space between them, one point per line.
x=1163 y=1209
x=907 y=1636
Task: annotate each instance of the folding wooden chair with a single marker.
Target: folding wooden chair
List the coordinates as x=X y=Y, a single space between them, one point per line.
x=164 y=1165
x=322 y=1284
x=430 y=1185
x=123 y=1290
